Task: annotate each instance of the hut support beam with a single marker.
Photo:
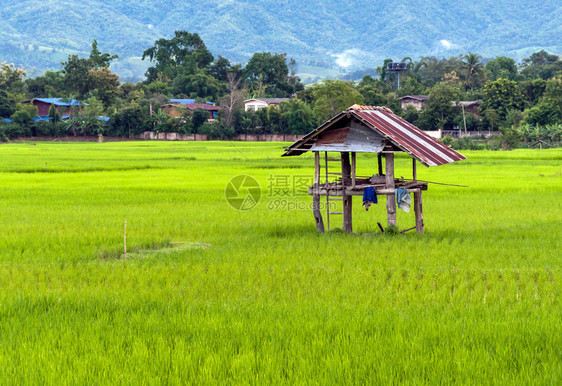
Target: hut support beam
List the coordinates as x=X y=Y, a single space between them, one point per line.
x=390 y=198
x=347 y=199
x=417 y=200
x=316 y=196
x=418 y=210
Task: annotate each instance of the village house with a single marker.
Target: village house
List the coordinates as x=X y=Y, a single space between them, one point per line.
x=418 y=101
x=65 y=107
x=262 y=103
x=176 y=108
x=470 y=106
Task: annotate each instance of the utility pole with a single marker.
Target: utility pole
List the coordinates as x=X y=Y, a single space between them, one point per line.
x=464 y=118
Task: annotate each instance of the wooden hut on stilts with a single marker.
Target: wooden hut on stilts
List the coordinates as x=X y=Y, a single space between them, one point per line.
x=367 y=129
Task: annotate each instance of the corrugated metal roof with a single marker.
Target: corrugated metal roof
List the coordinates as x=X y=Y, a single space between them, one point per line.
x=193 y=106
x=417 y=97
x=274 y=101
x=394 y=129
x=56 y=101
x=186 y=101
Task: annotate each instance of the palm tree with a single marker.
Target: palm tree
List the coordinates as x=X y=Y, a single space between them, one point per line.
x=473 y=68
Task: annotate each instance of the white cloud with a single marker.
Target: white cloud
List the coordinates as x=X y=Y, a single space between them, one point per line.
x=150 y=26
x=349 y=57
x=447 y=44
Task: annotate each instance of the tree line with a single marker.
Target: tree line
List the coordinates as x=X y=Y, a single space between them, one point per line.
x=528 y=94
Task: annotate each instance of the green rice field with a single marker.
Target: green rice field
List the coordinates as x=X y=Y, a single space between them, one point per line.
x=213 y=295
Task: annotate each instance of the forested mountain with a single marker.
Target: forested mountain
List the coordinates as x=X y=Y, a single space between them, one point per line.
x=320 y=34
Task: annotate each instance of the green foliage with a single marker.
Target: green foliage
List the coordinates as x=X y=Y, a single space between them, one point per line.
x=333 y=96
x=501 y=95
x=297 y=117
x=502 y=67
x=98 y=59
x=441 y=108
x=199 y=117
x=267 y=74
x=532 y=90
x=11 y=78
x=7 y=105
x=128 y=120
x=541 y=65
x=391 y=230
x=176 y=55
x=198 y=85
x=411 y=114
x=510 y=138
x=83 y=76
x=54 y=115
x=22 y=118
x=447 y=140
x=473 y=122
x=549 y=109
x=491 y=119
x=514 y=118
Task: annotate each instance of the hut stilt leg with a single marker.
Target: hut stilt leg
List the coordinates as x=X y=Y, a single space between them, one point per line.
x=317 y=213
x=418 y=210
x=316 y=196
x=347 y=199
x=390 y=198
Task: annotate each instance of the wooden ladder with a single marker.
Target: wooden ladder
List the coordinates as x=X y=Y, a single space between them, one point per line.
x=328 y=198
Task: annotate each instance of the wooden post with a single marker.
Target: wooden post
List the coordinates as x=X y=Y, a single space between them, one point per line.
x=316 y=196
x=379 y=157
x=353 y=168
x=347 y=199
x=327 y=195
x=390 y=198
x=418 y=210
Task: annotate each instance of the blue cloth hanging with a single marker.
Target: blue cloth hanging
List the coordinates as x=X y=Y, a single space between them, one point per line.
x=369 y=197
x=403 y=199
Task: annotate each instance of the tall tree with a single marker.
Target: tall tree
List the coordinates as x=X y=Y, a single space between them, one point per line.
x=541 y=65
x=98 y=59
x=502 y=67
x=83 y=75
x=268 y=74
x=333 y=96
x=502 y=95
x=234 y=100
x=11 y=78
x=473 y=68
x=172 y=55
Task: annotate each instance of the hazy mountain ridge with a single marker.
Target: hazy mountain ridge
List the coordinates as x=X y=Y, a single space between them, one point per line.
x=331 y=33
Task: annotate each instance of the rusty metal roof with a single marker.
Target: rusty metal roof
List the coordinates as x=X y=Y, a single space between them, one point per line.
x=392 y=128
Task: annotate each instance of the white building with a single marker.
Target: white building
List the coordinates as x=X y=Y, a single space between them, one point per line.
x=261 y=103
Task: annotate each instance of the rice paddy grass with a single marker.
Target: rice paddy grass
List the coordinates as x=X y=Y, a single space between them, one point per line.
x=210 y=294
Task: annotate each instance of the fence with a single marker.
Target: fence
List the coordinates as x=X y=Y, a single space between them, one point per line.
x=150 y=135
x=459 y=134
